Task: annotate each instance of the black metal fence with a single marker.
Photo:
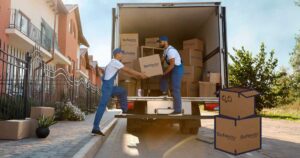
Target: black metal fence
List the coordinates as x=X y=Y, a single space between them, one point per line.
x=26 y=81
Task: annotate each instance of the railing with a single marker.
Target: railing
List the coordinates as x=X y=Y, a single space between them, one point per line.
x=26 y=81
x=20 y=22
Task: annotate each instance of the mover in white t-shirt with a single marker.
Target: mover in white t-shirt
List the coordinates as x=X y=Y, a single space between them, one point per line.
x=174 y=72
x=109 y=90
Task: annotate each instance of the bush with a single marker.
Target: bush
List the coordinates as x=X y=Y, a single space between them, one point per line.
x=67 y=111
x=259 y=72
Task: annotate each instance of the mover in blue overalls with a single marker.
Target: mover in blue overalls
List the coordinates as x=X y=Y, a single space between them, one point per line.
x=174 y=71
x=109 y=90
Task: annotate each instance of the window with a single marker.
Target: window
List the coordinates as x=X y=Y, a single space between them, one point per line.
x=72 y=28
x=24 y=23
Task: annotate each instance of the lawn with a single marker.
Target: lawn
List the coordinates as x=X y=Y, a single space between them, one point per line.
x=288 y=112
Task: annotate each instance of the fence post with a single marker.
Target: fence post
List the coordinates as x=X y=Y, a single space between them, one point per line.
x=87 y=97
x=26 y=83
x=43 y=78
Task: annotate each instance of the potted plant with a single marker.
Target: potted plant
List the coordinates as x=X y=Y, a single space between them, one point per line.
x=43 y=126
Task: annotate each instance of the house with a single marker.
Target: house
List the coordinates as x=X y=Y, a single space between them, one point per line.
x=71 y=38
x=33 y=23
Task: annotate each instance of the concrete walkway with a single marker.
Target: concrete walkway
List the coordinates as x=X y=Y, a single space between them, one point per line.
x=281 y=139
x=65 y=139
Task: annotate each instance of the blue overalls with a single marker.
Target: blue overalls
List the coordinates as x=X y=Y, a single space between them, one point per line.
x=109 y=90
x=176 y=77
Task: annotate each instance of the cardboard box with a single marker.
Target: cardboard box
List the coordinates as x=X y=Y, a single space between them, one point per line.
x=237 y=136
x=193 y=44
x=37 y=112
x=130 y=86
x=213 y=77
x=15 y=129
x=192 y=57
x=192 y=73
x=129 y=39
x=237 y=102
x=132 y=65
x=151 y=65
x=189 y=89
x=131 y=53
x=152 y=42
x=207 y=89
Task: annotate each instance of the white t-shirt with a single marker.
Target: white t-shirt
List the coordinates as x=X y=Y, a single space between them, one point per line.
x=112 y=68
x=172 y=53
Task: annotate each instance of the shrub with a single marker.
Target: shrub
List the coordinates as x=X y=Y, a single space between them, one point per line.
x=67 y=111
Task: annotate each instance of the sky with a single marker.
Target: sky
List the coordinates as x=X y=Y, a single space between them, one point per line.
x=249 y=23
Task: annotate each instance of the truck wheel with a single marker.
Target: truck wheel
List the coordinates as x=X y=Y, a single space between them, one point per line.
x=134 y=125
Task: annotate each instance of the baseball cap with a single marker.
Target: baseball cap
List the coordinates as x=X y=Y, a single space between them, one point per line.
x=117 y=50
x=163 y=38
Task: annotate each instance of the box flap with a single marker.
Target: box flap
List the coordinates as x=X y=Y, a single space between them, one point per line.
x=250 y=93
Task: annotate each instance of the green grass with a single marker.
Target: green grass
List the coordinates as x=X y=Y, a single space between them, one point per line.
x=287 y=112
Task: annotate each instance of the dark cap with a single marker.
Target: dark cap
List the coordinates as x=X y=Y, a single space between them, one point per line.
x=163 y=38
x=117 y=50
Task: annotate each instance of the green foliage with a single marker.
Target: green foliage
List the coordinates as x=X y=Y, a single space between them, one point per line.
x=45 y=122
x=295 y=62
x=257 y=72
x=297 y=2
x=67 y=111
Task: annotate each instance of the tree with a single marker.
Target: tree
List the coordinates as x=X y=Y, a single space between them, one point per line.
x=297 y=2
x=295 y=62
x=256 y=72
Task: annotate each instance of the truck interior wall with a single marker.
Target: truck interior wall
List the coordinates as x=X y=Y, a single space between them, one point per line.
x=210 y=35
x=178 y=24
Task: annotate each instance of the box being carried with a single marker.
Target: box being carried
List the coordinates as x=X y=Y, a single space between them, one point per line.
x=194 y=44
x=237 y=103
x=151 y=65
x=237 y=136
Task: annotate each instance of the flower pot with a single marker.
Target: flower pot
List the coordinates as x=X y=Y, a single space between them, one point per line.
x=42 y=132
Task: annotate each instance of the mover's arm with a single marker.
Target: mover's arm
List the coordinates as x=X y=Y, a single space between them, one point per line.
x=134 y=73
x=171 y=66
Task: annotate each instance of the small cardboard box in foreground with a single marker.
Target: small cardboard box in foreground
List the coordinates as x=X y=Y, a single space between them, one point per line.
x=237 y=136
x=237 y=102
x=151 y=65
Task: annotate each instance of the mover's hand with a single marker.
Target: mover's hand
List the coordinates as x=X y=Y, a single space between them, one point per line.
x=143 y=76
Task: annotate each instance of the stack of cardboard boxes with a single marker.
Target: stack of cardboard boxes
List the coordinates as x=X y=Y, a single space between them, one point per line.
x=146 y=59
x=237 y=128
x=192 y=55
x=130 y=44
x=149 y=65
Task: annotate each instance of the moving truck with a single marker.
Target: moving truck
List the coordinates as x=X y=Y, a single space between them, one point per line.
x=178 y=21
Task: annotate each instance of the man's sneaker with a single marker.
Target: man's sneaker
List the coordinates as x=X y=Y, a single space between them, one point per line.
x=164 y=94
x=176 y=113
x=97 y=132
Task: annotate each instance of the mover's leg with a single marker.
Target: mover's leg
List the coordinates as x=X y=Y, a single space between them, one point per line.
x=106 y=96
x=121 y=93
x=177 y=74
x=164 y=83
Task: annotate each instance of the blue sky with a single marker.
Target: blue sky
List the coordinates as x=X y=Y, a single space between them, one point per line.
x=274 y=22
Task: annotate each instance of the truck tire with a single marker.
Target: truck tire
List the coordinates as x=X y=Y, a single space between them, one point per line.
x=134 y=125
